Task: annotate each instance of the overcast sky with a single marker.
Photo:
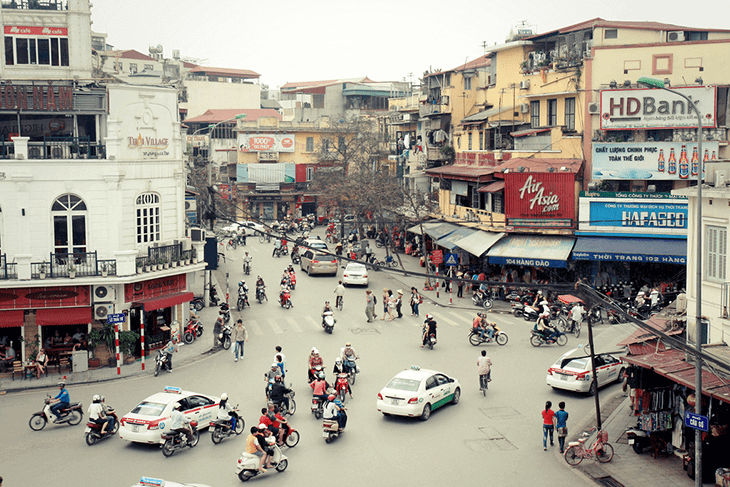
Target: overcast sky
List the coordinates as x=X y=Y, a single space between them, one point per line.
x=288 y=40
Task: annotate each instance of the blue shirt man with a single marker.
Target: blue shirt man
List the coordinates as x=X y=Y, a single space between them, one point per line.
x=61 y=400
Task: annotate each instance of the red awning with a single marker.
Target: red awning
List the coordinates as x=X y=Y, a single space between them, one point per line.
x=63 y=316
x=494 y=187
x=11 y=318
x=151 y=304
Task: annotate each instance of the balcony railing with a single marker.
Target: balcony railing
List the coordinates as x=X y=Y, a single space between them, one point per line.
x=35 y=4
x=7 y=270
x=78 y=263
x=66 y=148
x=7 y=149
x=166 y=254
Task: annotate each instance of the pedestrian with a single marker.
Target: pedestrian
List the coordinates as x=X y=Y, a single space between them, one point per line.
x=460 y=285
x=386 y=300
x=391 y=305
x=240 y=335
x=399 y=303
x=561 y=423
x=370 y=302
x=415 y=301
x=484 y=366
x=548 y=424
x=283 y=357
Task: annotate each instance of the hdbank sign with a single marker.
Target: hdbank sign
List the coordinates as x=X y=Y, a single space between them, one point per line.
x=619 y=216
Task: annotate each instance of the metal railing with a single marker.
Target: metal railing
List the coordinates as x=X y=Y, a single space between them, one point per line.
x=79 y=263
x=7 y=149
x=35 y=4
x=66 y=148
x=7 y=270
x=108 y=266
x=165 y=254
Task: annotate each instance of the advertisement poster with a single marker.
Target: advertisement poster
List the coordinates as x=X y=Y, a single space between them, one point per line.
x=540 y=199
x=615 y=216
x=651 y=160
x=656 y=109
x=266 y=142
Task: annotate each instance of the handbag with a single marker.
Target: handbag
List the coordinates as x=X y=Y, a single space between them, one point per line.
x=563 y=431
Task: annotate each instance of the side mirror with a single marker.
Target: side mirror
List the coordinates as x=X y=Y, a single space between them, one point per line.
x=451 y=380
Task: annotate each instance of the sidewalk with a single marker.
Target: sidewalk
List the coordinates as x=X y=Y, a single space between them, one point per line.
x=627 y=468
x=186 y=354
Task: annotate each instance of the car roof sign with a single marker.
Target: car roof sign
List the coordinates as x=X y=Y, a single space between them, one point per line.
x=152 y=482
x=175 y=390
x=415 y=367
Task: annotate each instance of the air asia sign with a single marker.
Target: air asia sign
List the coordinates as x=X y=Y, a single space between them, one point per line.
x=540 y=199
x=656 y=109
x=266 y=142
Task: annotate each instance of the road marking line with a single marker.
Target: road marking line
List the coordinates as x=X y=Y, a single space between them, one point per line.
x=316 y=325
x=450 y=322
x=253 y=325
x=274 y=326
x=294 y=324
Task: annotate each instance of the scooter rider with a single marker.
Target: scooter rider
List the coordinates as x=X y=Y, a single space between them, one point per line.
x=108 y=410
x=544 y=326
x=168 y=350
x=576 y=315
x=61 y=401
x=339 y=293
x=247 y=259
x=179 y=422
x=97 y=413
x=348 y=357
x=271 y=376
x=227 y=412
x=278 y=393
x=335 y=410
x=327 y=308
x=429 y=327
x=277 y=246
x=268 y=418
x=319 y=387
x=339 y=368
x=478 y=325
x=314 y=360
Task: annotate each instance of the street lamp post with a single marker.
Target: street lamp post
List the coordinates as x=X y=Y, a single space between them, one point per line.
x=660 y=84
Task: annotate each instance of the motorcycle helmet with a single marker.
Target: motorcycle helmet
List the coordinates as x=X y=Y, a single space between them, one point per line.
x=240 y=283
x=331 y=397
x=315 y=351
x=338 y=360
x=224 y=397
x=539 y=293
x=61 y=384
x=429 y=317
x=321 y=375
x=348 y=344
x=273 y=366
x=96 y=398
x=262 y=426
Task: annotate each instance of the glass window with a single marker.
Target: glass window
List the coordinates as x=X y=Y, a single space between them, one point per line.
x=611 y=34
x=481 y=141
x=409 y=385
x=21 y=50
x=9 y=57
x=716 y=253
x=55 y=57
x=341 y=146
x=148 y=217
x=467 y=83
x=310 y=173
x=469 y=140
x=32 y=53
x=534 y=114
x=44 y=51
x=69 y=225
x=132 y=68
x=318 y=101
x=64 y=51
x=552 y=106
x=570 y=113
x=310 y=144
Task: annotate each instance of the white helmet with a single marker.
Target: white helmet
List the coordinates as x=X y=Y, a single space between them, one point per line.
x=224 y=397
x=96 y=398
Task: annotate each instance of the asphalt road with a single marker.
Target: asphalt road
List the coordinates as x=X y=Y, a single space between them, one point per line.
x=495 y=439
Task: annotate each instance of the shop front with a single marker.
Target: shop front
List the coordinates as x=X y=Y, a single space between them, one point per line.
x=155 y=306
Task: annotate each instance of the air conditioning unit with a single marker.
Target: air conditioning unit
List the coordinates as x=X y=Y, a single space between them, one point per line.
x=102 y=310
x=191 y=205
x=104 y=294
x=525 y=108
x=525 y=84
x=593 y=108
x=197 y=234
x=675 y=36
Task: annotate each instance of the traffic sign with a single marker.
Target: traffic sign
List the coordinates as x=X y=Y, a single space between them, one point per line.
x=451 y=259
x=437 y=257
x=696 y=421
x=115 y=318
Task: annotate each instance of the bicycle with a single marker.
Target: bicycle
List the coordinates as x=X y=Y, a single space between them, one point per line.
x=577 y=451
x=264 y=238
x=339 y=300
x=232 y=244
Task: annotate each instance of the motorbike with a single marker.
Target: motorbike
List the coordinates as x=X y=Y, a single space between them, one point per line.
x=295 y=257
x=291 y=437
x=285 y=300
x=225 y=336
x=192 y=331
x=213 y=295
x=160 y=362
x=354 y=369
x=328 y=321
x=480 y=298
x=595 y=315
x=292 y=280
x=198 y=303
x=318 y=407
x=331 y=428
x=247 y=268
x=638 y=439
x=537 y=338
x=176 y=441
x=242 y=299
x=278 y=252
x=221 y=428
x=248 y=464
x=225 y=312
x=431 y=340
x=261 y=294
x=73 y=414
x=292 y=404
x=476 y=339
x=341 y=386
x=93 y=430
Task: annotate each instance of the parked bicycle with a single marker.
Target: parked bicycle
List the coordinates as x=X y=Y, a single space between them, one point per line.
x=264 y=238
x=577 y=450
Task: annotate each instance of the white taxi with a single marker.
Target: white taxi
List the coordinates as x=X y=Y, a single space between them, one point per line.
x=573 y=371
x=152 y=482
x=146 y=422
x=416 y=392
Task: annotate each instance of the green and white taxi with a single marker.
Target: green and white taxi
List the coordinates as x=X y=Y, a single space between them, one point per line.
x=416 y=392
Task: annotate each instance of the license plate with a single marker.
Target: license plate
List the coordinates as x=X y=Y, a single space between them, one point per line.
x=135 y=428
x=631 y=441
x=394 y=402
x=87 y=430
x=325 y=435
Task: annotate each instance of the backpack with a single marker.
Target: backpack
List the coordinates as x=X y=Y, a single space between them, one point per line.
x=420 y=299
x=375 y=300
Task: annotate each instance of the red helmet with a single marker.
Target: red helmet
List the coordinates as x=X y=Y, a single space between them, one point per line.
x=331 y=397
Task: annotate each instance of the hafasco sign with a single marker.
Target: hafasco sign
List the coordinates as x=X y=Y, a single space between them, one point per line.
x=639 y=109
x=534 y=199
x=148 y=143
x=266 y=142
x=613 y=216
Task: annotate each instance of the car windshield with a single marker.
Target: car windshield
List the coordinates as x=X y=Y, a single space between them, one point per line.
x=355 y=268
x=575 y=364
x=409 y=385
x=149 y=408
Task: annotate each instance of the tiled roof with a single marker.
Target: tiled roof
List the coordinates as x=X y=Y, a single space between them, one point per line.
x=217 y=115
x=312 y=86
x=534 y=164
x=620 y=24
x=479 y=62
x=230 y=72
x=470 y=173
x=131 y=54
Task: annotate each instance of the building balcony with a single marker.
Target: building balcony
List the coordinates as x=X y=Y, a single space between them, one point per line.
x=53 y=148
x=35 y=4
x=434 y=108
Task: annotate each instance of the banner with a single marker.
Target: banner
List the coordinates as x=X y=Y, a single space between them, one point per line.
x=651 y=160
x=266 y=142
x=656 y=109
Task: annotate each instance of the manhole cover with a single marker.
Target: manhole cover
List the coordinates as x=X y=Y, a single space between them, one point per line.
x=491 y=433
x=608 y=482
x=365 y=331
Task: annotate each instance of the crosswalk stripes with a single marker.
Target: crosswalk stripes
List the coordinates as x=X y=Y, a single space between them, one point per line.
x=253 y=326
x=295 y=326
x=274 y=326
x=442 y=317
x=311 y=321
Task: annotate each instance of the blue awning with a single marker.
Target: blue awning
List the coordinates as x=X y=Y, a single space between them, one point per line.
x=450 y=241
x=529 y=250
x=627 y=249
